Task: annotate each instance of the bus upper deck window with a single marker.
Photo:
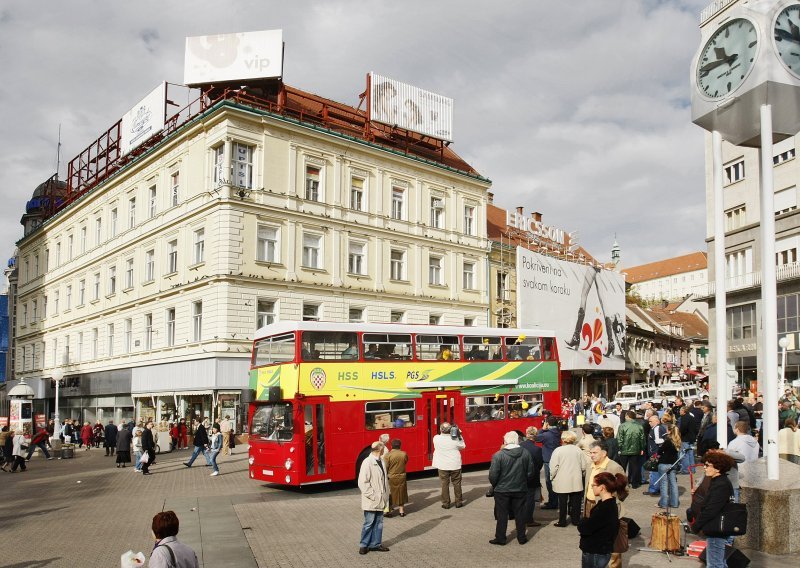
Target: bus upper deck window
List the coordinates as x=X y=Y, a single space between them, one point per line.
x=482 y=348
x=329 y=345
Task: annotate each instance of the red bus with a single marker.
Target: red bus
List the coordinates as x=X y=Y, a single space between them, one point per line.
x=325 y=391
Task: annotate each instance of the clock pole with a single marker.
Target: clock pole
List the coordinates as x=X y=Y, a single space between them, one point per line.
x=720 y=299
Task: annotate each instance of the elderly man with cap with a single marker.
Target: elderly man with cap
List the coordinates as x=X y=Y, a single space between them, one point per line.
x=374 y=485
x=510 y=474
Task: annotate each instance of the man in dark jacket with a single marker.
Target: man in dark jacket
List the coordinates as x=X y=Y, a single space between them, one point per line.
x=510 y=473
x=535 y=485
x=688 y=427
x=148 y=446
x=110 y=443
x=200 y=443
x=550 y=438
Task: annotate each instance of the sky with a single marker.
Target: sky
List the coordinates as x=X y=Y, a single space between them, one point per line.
x=577 y=109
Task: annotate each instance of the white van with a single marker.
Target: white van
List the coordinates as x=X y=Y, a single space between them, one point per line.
x=688 y=391
x=631 y=397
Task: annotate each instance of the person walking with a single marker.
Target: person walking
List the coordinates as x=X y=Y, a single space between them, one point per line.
x=668 y=454
x=148 y=447
x=200 y=444
x=534 y=483
x=510 y=474
x=374 y=486
x=447 y=459
x=110 y=443
x=215 y=445
x=716 y=465
x=39 y=440
x=6 y=448
x=599 y=530
x=183 y=433
x=396 y=461
x=86 y=435
x=550 y=438
x=168 y=551
x=98 y=434
x=655 y=437
x=568 y=465
x=226 y=429
x=137 y=450
x=173 y=436
x=17 y=451
x=123 y=447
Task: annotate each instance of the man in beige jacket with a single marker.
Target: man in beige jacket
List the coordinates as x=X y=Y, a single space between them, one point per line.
x=374 y=485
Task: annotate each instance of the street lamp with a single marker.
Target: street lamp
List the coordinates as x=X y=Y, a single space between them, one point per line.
x=783 y=343
x=58 y=374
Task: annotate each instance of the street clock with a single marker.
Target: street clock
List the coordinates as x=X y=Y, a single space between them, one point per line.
x=787 y=37
x=727 y=58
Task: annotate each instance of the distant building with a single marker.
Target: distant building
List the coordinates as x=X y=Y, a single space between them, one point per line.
x=669 y=279
x=3 y=336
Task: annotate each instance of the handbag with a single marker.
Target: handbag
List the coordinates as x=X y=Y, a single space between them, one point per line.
x=732 y=521
x=633 y=527
x=652 y=463
x=145 y=457
x=621 y=543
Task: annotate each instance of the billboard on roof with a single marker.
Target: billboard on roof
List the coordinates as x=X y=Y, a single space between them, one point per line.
x=144 y=120
x=233 y=57
x=400 y=104
x=585 y=305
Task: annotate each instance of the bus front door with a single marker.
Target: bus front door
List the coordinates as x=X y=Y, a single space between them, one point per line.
x=315 y=418
x=439 y=408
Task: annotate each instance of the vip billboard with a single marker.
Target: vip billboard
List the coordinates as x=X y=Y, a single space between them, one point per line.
x=144 y=120
x=584 y=305
x=233 y=57
x=399 y=104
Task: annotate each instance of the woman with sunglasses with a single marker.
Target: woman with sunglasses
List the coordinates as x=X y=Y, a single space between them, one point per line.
x=716 y=465
x=599 y=530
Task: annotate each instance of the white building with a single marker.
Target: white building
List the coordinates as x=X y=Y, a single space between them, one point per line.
x=669 y=279
x=148 y=286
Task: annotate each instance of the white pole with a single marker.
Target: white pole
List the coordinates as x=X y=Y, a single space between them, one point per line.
x=769 y=300
x=721 y=337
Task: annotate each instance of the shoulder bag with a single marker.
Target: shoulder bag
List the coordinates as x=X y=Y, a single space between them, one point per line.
x=621 y=542
x=732 y=521
x=652 y=463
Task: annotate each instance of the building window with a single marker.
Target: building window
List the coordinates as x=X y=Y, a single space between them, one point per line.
x=171 y=327
x=734 y=172
x=435 y=270
x=58 y=254
x=739 y=263
x=469 y=276
x=24 y=314
x=243 y=165
x=152 y=203
x=56 y=297
x=55 y=352
x=785 y=200
x=397 y=316
x=174 y=188
x=741 y=322
x=469 y=322
x=218 y=173
x=437 y=212
x=149 y=265
x=434 y=319
x=357 y=194
x=36 y=264
x=503 y=292
x=312 y=183
x=355 y=315
x=112 y=279
x=172 y=257
x=786 y=250
x=44 y=307
x=357 y=257
x=312 y=250
x=469 y=220
x=398 y=264
x=95 y=341
x=114 y=222
x=96 y=295
x=111 y=340
x=47 y=259
x=197 y=321
x=83 y=240
x=735 y=218
x=98 y=231
x=398 y=202
x=310 y=312
x=79 y=352
x=128 y=335
x=267 y=247
x=199 y=245
x=69 y=297
x=148 y=332
x=783 y=156
x=265 y=313
x=70 y=248
x=25 y=273
x=129 y=274
x=131 y=212
x=82 y=292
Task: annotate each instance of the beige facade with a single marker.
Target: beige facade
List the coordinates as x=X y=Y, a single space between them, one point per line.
x=237 y=220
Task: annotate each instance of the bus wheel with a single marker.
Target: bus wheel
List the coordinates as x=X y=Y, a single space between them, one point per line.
x=361 y=457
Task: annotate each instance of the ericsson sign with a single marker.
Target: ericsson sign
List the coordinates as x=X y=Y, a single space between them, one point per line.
x=535 y=227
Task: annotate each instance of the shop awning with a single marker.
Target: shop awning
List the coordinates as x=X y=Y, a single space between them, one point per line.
x=446 y=384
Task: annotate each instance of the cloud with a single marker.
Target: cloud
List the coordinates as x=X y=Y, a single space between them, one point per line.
x=576 y=109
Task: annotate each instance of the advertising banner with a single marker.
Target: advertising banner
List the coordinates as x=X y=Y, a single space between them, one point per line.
x=41 y=420
x=233 y=57
x=144 y=120
x=400 y=104
x=584 y=305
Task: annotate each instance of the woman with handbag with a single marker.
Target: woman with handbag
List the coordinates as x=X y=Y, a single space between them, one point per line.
x=720 y=491
x=667 y=456
x=599 y=530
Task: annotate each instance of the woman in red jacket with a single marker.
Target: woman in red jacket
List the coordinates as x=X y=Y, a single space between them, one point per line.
x=86 y=435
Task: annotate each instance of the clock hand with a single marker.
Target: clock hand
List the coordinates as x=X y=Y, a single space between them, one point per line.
x=708 y=67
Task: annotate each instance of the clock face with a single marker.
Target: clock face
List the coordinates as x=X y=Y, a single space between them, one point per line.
x=727 y=58
x=787 y=37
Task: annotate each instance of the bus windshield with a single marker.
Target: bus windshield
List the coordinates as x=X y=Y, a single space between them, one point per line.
x=273 y=422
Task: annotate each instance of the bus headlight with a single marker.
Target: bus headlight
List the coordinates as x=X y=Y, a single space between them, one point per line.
x=288 y=464
x=288 y=479
x=251 y=460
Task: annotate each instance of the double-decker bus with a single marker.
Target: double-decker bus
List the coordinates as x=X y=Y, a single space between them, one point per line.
x=323 y=392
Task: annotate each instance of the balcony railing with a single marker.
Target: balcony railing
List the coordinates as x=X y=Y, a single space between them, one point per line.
x=749 y=280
